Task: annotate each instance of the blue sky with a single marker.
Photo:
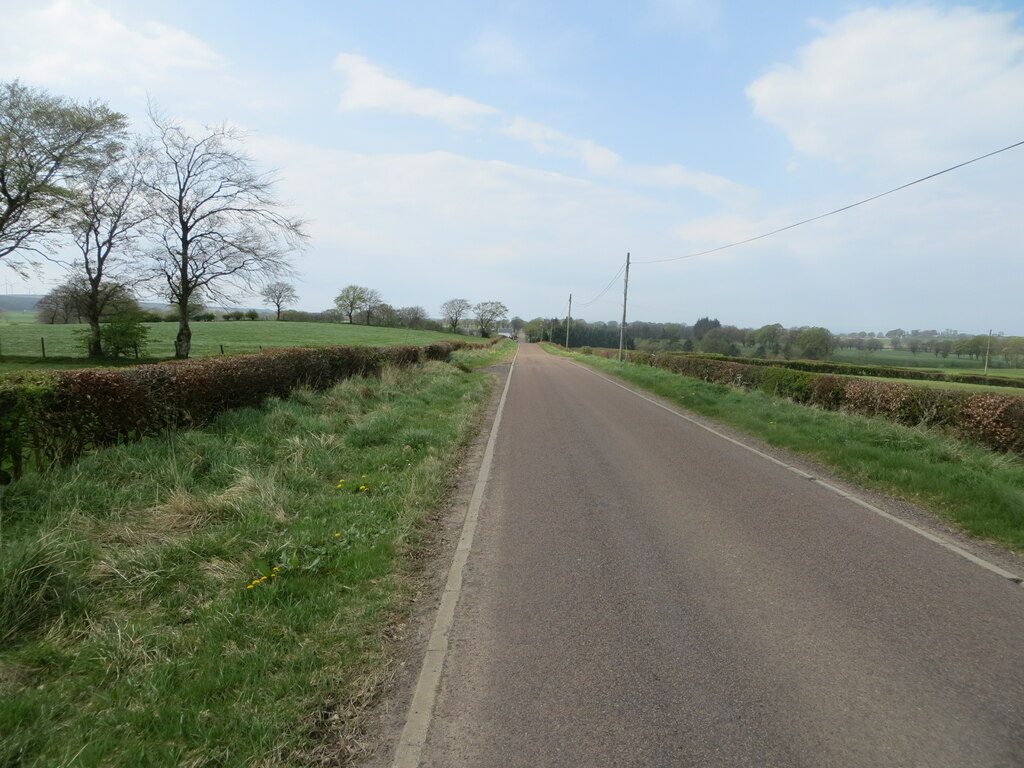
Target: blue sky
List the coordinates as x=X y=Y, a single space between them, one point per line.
x=516 y=151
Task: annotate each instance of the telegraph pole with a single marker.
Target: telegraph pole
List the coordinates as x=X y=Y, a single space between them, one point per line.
x=568 y=322
x=988 y=348
x=625 y=295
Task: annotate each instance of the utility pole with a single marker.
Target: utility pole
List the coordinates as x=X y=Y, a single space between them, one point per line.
x=568 y=322
x=988 y=348
x=625 y=295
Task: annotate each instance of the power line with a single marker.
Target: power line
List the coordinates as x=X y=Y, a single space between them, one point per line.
x=830 y=213
x=603 y=292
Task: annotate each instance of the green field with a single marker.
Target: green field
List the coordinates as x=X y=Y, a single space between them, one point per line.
x=20 y=339
x=953 y=385
x=902 y=359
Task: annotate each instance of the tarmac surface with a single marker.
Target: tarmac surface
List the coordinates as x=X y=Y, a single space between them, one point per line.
x=642 y=592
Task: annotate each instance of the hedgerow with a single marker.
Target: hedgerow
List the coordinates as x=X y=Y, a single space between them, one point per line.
x=993 y=420
x=51 y=417
x=854 y=369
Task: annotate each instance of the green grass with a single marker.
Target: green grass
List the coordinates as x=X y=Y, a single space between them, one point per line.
x=224 y=596
x=903 y=359
x=20 y=318
x=979 y=490
x=22 y=339
x=482 y=357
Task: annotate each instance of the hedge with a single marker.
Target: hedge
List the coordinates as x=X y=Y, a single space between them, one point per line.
x=993 y=420
x=854 y=369
x=48 y=418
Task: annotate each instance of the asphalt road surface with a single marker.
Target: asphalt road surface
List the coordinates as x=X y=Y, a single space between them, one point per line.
x=643 y=593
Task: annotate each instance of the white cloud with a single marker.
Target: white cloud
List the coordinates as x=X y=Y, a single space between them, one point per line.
x=368 y=87
x=423 y=227
x=74 y=41
x=904 y=87
x=603 y=162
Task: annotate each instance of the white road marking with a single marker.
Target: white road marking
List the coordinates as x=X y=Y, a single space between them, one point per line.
x=981 y=562
x=417 y=721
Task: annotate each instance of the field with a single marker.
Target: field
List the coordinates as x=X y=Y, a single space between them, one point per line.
x=953 y=385
x=903 y=359
x=21 y=340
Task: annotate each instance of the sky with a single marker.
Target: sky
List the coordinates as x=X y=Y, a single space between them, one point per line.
x=517 y=151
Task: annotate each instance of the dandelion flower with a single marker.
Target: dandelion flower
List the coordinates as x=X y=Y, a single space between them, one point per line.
x=248 y=586
x=337 y=534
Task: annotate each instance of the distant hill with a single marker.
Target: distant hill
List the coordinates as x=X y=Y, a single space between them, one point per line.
x=18 y=302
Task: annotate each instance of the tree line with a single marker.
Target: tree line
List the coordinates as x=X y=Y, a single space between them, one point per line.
x=179 y=212
x=709 y=335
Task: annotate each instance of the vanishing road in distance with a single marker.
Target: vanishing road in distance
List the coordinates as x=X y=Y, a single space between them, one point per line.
x=642 y=592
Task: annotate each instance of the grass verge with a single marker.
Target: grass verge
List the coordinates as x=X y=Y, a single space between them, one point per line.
x=979 y=490
x=481 y=357
x=224 y=596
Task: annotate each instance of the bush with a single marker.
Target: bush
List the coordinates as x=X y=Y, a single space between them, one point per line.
x=52 y=417
x=993 y=420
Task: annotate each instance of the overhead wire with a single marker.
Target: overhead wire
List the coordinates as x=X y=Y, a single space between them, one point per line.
x=798 y=223
x=603 y=292
x=830 y=213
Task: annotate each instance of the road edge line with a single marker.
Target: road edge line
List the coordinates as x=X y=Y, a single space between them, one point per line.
x=970 y=557
x=421 y=709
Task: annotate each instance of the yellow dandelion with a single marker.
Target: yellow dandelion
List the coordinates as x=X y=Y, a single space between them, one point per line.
x=337 y=534
x=263 y=578
x=248 y=586
x=363 y=476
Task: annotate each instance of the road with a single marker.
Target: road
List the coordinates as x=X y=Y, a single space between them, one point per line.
x=641 y=592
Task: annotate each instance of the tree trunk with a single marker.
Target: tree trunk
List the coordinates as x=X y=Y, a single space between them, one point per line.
x=183 y=341
x=95 y=344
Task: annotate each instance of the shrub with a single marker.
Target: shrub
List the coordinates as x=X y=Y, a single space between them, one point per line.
x=52 y=417
x=993 y=420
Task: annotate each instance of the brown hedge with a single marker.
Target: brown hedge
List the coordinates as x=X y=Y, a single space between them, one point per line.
x=51 y=417
x=993 y=420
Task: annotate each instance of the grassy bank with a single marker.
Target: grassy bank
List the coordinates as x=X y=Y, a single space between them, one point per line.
x=21 y=339
x=979 y=490
x=224 y=596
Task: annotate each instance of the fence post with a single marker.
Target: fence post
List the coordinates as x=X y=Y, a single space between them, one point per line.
x=222 y=349
x=42 y=343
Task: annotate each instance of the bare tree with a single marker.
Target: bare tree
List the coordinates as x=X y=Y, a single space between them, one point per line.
x=372 y=303
x=68 y=302
x=350 y=300
x=488 y=314
x=219 y=226
x=46 y=144
x=108 y=218
x=58 y=307
x=453 y=311
x=412 y=317
x=280 y=294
